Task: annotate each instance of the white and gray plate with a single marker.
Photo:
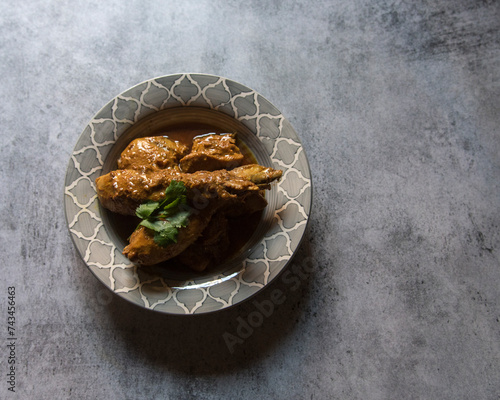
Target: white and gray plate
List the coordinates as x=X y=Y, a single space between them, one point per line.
x=175 y=99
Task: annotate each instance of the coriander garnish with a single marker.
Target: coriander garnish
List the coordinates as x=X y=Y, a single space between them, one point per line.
x=167 y=216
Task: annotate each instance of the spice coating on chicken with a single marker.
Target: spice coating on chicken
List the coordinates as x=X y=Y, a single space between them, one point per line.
x=212 y=152
x=258 y=174
x=151 y=153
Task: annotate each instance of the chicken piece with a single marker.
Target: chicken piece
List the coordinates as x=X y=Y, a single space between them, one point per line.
x=142 y=249
x=151 y=153
x=212 y=152
x=122 y=191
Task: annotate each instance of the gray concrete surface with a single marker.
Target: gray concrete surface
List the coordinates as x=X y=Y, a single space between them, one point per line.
x=396 y=289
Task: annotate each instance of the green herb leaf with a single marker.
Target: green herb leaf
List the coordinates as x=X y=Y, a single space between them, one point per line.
x=169 y=208
x=175 y=189
x=146 y=209
x=165 y=217
x=166 y=236
x=156 y=226
x=180 y=219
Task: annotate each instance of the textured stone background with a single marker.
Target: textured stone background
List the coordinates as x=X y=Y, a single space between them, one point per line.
x=395 y=293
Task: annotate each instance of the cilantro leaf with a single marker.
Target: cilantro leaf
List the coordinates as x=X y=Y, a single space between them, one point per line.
x=167 y=236
x=165 y=217
x=169 y=208
x=180 y=219
x=175 y=189
x=156 y=226
x=146 y=209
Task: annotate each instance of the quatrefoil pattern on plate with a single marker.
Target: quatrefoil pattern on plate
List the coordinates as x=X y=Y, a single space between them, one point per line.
x=209 y=292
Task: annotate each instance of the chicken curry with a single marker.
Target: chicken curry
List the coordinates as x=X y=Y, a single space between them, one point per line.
x=199 y=197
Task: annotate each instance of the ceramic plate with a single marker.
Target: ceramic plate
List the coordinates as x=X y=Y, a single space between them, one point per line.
x=165 y=102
